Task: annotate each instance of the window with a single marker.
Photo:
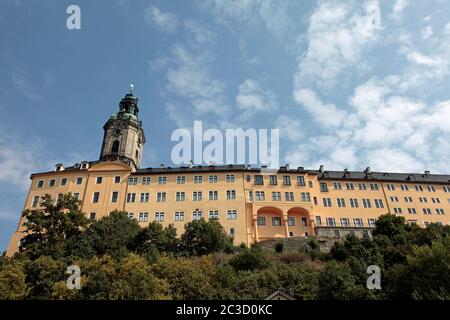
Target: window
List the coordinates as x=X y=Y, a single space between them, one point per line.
x=35 y=202
x=371 y=222
x=408 y=199
x=426 y=211
x=440 y=211
x=318 y=220
x=331 y=222
x=423 y=199
x=367 y=203
x=197 y=215
x=99 y=180
x=131 y=215
x=197 y=196
x=350 y=186
x=273 y=180
x=40 y=183
x=114 y=196
x=230 y=177
x=214 y=214
x=145 y=197
x=431 y=188
x=412 y=210
x=63 y=181
x=398 y=210
x=180 y=196
x=345 y=222
x=354 y=203
x=300 y=180
x=179 y=216
x=213 y=195
x=286 y=180
x=373 y=186
x=79 y=180
x=181 y=179
x=337 y=186
x=315 y=201
x=131 y=197
x=250 y=196
x=51 y=183
x=362 y=186
x=117 y=179
x=276 y=196
x=326 y=202
x=198 y=179
x=379 y=203
x=260 y=196
x=358 y=222
x=323 y=187
x=247 y=178
x=161 y=197
x=159 y=216
x=212 y=179
x=143 y=217
x=259 y=180
x=435 y=200
x=310 y=184
x=291 y=221
x=341 y=202
x=132 y=181
x=261 y=221
x=231 y=194
x=115 y=147
x=162 y=180
x=276 y=221
x=231 y=214
x=304 y=222
x=390 y=187
x=418 y=188
x=404 y=187
x=305 y=197
x=446 y=189
x=394 y=199
x=146 y=180
x=337 y=233
x=76 y=195
x=95 y=197
x=289 y=196
x=92 y=216
x=231 y=232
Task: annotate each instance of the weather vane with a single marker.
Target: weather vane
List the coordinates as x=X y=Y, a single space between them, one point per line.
x=131 y=88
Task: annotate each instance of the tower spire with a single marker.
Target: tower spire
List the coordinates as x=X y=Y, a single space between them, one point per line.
x=131 y=89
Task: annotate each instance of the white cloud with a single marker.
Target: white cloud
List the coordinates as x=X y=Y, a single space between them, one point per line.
x=399 y=7
x=165 y=21
x=201 y=34
x=338 y=35
x=326 y=114
x=253 y=98
x=421 y=59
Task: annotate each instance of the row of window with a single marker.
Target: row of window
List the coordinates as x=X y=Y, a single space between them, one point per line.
x=178 y=215
x=273 y=180
x=421 y=199
x=179 y=196
x=181 y=179
x=345 y=222
x=276 y=221
x=348 y=186
x=427 y=211
x=276 y=196
x=354 y=203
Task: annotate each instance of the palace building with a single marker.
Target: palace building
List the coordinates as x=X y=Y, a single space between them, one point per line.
x=251 y=204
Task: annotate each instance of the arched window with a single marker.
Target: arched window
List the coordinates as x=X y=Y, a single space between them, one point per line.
x=137 y=154
x=115 y=147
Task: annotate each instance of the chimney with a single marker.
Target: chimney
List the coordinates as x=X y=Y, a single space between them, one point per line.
x=191 y=164
x=367 y=170
x=287 y=167
x=322 y=168
x=162 y=166
x=427 y=173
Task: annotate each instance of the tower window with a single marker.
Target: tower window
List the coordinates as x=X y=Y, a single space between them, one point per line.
x=115 y=147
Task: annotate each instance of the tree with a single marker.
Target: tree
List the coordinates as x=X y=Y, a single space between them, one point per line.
x=12 y=282
x=251 y=259
x=155 y=237
x=203 y=237
x=112 y=235
x=42 y=274
x=49 y=228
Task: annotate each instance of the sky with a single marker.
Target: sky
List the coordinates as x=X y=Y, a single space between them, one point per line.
x=350 y=84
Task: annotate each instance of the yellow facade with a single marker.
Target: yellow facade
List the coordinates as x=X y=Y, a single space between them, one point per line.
x=295 y=204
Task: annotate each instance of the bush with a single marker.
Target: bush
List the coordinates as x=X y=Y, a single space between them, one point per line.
x=279 y=247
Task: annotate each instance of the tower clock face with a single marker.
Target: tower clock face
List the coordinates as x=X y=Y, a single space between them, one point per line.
x=116 y=131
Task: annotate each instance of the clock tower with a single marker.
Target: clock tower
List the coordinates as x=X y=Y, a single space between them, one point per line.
x=124 y=136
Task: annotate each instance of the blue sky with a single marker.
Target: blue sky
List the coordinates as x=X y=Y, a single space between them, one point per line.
x=344 y=92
